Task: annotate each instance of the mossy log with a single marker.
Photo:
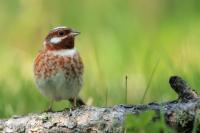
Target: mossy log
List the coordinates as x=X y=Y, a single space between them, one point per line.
x=179 y=114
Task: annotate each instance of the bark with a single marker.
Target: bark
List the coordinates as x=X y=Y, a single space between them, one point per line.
x=179 y=114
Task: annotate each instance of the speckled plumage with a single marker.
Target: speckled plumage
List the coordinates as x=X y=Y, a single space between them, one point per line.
x=58 y=67
x=58 y=77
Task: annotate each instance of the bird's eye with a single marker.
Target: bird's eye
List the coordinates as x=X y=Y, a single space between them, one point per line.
x=61 y=33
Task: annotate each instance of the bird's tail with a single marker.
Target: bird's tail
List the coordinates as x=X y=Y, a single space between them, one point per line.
x=79 y=101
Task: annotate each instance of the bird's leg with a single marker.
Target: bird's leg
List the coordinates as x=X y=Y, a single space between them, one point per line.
x=74 y=102
x=50 y=107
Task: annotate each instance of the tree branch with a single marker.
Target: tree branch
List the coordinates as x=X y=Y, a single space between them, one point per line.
x=179 y=114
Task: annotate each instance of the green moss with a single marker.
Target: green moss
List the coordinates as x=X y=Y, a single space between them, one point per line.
x=145 y=122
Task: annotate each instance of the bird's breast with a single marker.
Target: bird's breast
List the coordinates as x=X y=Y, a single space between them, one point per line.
x=58 y=76
x=48 y=64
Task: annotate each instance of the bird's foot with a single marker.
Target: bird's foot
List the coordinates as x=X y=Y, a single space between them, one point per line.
x=74 y=107
x=48 y=110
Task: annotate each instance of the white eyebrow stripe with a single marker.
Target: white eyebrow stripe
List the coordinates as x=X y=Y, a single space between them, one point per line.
x=56 y=40
x=59 y=27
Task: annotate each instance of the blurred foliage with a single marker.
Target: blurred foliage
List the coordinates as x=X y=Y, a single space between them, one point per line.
x=144 y=123
x=119 y=38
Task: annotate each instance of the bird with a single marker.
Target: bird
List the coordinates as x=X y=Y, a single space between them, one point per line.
x=58 y=67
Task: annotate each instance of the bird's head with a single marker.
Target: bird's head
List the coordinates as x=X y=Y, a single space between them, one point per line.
x=60 y=38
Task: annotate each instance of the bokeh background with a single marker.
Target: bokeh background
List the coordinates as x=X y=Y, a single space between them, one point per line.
x=147 y=40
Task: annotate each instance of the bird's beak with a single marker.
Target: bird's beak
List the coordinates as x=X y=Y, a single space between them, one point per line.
x=74 y=33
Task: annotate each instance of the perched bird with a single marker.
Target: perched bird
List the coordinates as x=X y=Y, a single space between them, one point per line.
x=58 y=67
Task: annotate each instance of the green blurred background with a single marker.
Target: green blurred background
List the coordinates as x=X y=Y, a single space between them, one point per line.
x=119 y=38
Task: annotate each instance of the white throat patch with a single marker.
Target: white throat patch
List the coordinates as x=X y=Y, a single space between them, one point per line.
x=65 y=52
